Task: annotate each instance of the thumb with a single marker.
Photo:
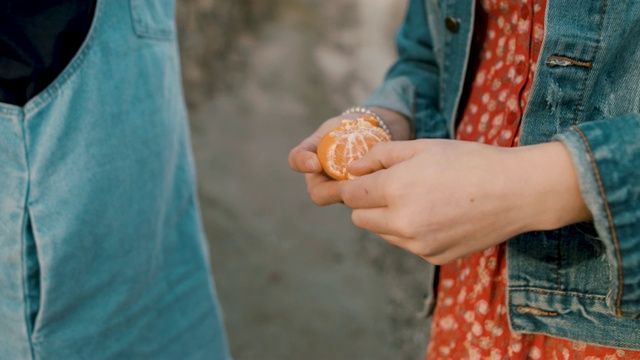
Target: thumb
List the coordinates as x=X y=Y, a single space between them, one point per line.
x=383 y=156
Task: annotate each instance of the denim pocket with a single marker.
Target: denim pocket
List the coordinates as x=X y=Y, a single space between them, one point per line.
x=588 y=228
x=154 y=19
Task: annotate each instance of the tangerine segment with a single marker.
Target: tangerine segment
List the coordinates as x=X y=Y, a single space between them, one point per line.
x=346 y=143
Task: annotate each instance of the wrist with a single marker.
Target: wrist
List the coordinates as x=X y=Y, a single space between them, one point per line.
x=397 y=125
x=549 y=187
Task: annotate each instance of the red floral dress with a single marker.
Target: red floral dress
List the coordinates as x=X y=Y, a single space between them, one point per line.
x=470 y=319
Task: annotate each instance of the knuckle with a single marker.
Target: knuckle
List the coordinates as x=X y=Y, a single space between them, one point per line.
x=428 y=248
x=404 y=232
x=441 y=259
x=315 y=195
x=435 y=260
x=435 y=253
x=419 y=249
x=345 y=194
x=394 y=189
x=403 y=227
x=356 y=219
x=291 y=161
x=381 y=147
x=322 y=192
x=318 y=200
x=293 y=156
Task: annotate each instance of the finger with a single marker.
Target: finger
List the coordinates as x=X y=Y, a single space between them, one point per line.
x=436 y=256
x=383 y=156
x=303 y=157
x=364 y=192
x=322 y=189
x=375 y=220
x=406 y=245
x=394 y=240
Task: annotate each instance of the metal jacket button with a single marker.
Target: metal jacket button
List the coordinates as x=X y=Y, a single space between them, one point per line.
x=452 y=24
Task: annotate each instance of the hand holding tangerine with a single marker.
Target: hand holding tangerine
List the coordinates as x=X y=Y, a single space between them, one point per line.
x=348 y=142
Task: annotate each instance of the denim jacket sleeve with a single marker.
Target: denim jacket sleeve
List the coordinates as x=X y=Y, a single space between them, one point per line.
x=411 y=85
x=600 y=125
x=606 y=154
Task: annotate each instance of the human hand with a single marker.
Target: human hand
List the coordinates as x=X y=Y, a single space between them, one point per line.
x=444 y=199
x=322 y=189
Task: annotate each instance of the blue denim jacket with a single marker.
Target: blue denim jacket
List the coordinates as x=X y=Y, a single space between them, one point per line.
x=580 y=282
x=102 y=249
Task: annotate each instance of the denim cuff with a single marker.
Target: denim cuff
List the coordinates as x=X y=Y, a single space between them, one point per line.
x=606 y=155
x=397 y=94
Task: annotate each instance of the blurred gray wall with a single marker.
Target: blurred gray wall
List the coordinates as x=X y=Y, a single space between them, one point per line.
x=296 y=281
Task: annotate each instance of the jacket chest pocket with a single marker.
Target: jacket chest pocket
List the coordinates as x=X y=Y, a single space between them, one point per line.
x=154 y=19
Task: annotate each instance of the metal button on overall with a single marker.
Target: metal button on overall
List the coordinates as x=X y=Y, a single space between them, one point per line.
x=452 y=24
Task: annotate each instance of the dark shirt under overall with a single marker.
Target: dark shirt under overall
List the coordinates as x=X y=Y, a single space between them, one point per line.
x=37 y=41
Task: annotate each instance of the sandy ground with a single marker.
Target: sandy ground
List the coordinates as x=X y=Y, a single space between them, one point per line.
x=297 y=281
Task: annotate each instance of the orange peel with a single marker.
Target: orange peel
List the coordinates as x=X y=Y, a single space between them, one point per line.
x=348 y=142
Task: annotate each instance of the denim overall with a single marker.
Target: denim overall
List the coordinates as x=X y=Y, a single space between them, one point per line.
x=102 y=251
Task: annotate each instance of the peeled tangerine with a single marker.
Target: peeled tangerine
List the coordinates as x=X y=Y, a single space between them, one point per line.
x=348 y=142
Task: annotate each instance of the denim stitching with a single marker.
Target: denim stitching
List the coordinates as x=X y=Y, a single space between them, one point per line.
x=558 y=261
x=142 y=30
x=445 y=62
x=559 y=293
x=456 y=110
x=595 y=52
x=612 y=226
x=414 y=110
x=35 y=104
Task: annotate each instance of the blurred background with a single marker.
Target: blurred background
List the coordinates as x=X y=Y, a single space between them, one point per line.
x=295 y=281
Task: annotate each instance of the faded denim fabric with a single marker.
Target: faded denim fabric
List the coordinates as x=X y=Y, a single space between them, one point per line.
x=102 y=251
x=580 y=282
